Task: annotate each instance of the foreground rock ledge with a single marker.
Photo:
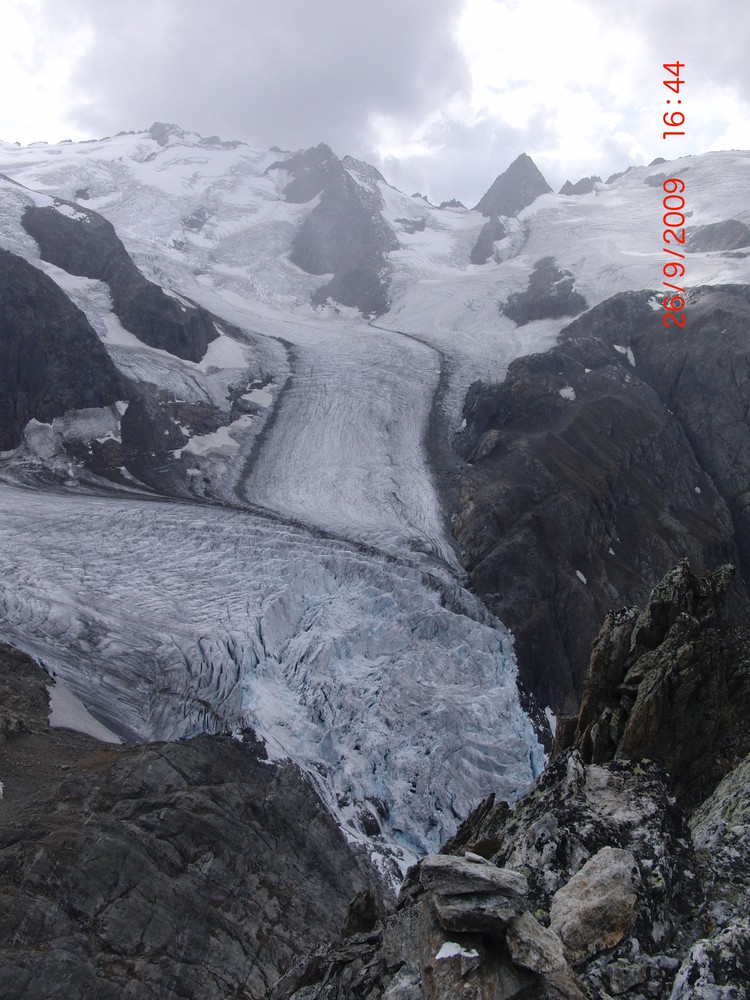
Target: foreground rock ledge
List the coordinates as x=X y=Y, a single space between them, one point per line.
x=194 y=869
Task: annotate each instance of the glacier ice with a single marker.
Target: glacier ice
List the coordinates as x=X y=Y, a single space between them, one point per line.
x=390 y=686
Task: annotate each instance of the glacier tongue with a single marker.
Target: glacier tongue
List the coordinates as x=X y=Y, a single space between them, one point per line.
x=392 y=688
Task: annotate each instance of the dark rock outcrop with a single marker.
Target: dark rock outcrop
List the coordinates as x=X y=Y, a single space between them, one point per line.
x=491 y=232
x=590 y=884
x=520 y=185
x=584 y=186
x=550 y=293
x=82 y=242
x=597 y=466
x=453 y=203
x=188 y=869
x=671 y=682
x=51 y=359
x=728 y=235
x=311 y=171
x=345 y=235
x=412 y=226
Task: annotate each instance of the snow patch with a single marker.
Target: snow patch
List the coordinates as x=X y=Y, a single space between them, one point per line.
x=72 y=213
x=224 y=352
x=568 y=392
x=551 y=719
x=580 y=576
x=69 y=712
x=262 y=397
x=627 y=351
x=450 y=949
x=219 y=442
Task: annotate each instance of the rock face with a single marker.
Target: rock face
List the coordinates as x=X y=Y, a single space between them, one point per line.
x=51 y=360
x=491 y=232
x=728 y=235
x=188 y=869
x=598 y=907
x=670 y=682
x=584 y=186
x=514 y=189
x=311 y=170
x=597 y=466
x=82 y=242
x=345 y=234
x=592 y=889
x=549 y=294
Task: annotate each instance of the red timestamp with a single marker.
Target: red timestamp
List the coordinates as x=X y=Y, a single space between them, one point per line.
x=674 y=234
x=673 y=118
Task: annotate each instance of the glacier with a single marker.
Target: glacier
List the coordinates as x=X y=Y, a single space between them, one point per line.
x=311 y=587
x=392 y=687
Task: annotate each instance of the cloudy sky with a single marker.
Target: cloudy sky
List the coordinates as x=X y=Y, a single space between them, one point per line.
x=440 y=94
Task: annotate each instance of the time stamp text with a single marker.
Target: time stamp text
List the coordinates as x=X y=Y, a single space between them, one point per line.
x=673 y=204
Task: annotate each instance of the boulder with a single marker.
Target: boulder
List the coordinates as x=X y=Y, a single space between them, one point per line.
x=533 y=946
x=598 y=907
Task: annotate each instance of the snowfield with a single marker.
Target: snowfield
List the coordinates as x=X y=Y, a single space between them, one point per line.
x=326 y=609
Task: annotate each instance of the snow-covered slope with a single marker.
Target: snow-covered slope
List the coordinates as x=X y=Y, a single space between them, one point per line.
x=327 y=610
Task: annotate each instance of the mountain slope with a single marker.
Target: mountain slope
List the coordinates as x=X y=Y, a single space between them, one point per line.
x=330 y=436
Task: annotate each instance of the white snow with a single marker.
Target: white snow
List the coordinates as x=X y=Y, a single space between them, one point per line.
x=69 y=712
x=551 y=719
x=580 y=576
x=627 y=351
x=71 y=212
x=568 y=392
x=450 y=949
x=261 y=397
x=222 y=441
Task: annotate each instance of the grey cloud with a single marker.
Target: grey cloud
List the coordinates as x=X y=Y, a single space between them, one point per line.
x=467 y=158
x=288 y=72
x=711 y=38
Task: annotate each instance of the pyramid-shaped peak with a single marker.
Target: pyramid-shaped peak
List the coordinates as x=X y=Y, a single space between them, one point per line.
x=513 y=190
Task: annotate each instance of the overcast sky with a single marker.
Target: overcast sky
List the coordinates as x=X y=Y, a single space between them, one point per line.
x=440 y=94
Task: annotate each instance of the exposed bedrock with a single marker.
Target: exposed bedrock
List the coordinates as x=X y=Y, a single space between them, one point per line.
x=728 y=235
x=82 y=242
x=584 y=186
x=345 y=234
x=589 y=886
x=489 y=234
x=51 y=359
x=189 y=869
x=670 y=682
x=549 y=294
x=595 y=467
x=518 y=186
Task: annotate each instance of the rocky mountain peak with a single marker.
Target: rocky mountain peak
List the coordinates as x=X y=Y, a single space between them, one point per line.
x=161 y=132
x=520 y=185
